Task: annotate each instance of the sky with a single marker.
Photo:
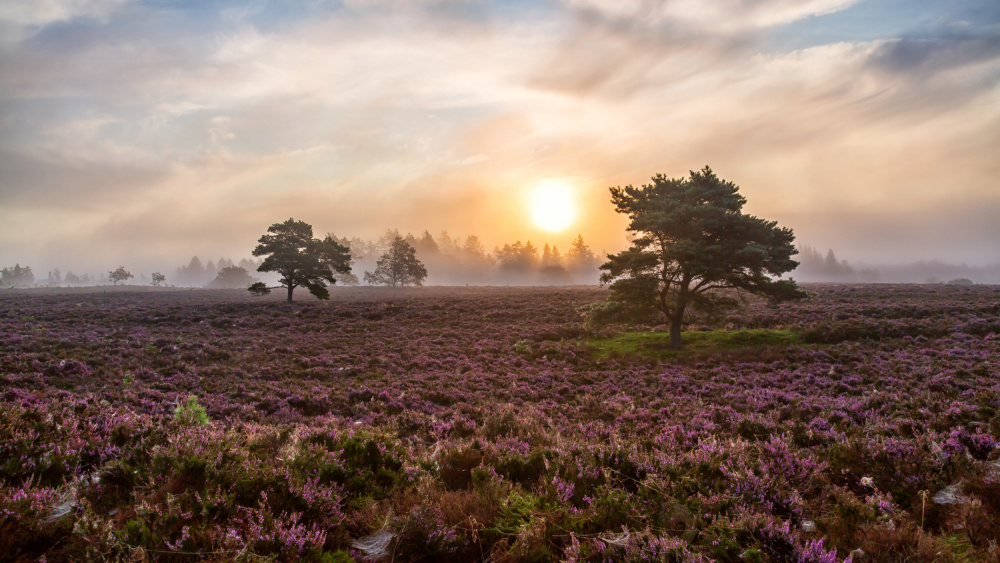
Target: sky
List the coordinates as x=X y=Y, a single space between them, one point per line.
x=146 y=132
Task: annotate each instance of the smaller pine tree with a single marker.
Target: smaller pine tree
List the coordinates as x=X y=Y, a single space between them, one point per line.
x=398 y=266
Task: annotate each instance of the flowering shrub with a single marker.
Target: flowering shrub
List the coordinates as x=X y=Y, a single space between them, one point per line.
x=468 y=424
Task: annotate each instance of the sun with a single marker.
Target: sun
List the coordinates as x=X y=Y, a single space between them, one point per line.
x=552 y=206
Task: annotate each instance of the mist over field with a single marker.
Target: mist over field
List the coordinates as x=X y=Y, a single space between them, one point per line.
x=457 y=262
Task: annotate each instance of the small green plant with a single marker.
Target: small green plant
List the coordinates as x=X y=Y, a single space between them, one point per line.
x=191 y=412
x=522 y=347
x=129 y=379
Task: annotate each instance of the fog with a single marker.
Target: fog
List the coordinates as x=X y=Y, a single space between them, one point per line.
x=455 y=260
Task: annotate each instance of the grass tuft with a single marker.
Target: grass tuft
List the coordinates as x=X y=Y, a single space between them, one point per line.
x=657 y=344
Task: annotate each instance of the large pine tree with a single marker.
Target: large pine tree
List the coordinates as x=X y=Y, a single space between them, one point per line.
x=690 y=237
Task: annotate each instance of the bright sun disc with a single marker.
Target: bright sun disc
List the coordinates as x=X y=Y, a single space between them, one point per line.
x=552 y=206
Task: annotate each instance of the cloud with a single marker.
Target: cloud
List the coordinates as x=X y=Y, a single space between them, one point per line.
x=170 y=135
x=721 y=16
x=22 y=19
x=939 y=50
x=45 y=12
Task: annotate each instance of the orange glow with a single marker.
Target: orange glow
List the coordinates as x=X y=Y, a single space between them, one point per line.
x=552 y=206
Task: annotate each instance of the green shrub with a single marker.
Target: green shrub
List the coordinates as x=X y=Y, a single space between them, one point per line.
x=192 y=412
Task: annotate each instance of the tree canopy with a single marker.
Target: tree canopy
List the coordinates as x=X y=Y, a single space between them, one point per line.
x=300 y=259
x=398 y=266
x=232 y=277
x=119 y=275
x=690 y=237
x=17 y=276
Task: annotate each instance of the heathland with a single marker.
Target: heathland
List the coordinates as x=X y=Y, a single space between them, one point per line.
x=474 y=424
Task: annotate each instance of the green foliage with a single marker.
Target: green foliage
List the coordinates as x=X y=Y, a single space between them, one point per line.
x=129 y=379
x=657 y=344
x=119 y=275
x=619 y=312
x=398 y=266
x=517 y=512
x=369 y=465
x=259 y=289
x=300 y=259
x=336 y=557
x=691 y=238
x=192 y=412
x=526 y=470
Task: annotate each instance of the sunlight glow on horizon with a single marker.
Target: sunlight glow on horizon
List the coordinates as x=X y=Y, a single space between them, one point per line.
x=552 y=206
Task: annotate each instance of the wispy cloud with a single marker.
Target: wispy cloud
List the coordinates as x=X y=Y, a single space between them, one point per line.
x=719 y=16
x=185 y=129
x=38 y=13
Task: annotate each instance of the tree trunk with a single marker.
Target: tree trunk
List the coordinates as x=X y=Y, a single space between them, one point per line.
x=290 y=288
x=675 y=331
x=675 y=325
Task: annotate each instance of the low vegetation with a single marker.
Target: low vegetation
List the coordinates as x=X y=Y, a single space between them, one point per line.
x=478 y=424
x=696 y=343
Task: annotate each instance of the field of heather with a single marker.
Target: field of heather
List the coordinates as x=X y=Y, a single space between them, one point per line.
x=491 y=424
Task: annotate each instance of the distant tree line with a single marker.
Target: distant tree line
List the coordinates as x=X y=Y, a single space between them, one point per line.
x=455 y=260
x=446 y=260
x=291 y=253
x=196 y=274
x=17 y=276
x=817 y=267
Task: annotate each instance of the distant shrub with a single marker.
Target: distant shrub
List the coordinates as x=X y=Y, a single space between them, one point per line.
x=960 y=281
x=259 y=289
x=232 y=277
x=191 y=412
